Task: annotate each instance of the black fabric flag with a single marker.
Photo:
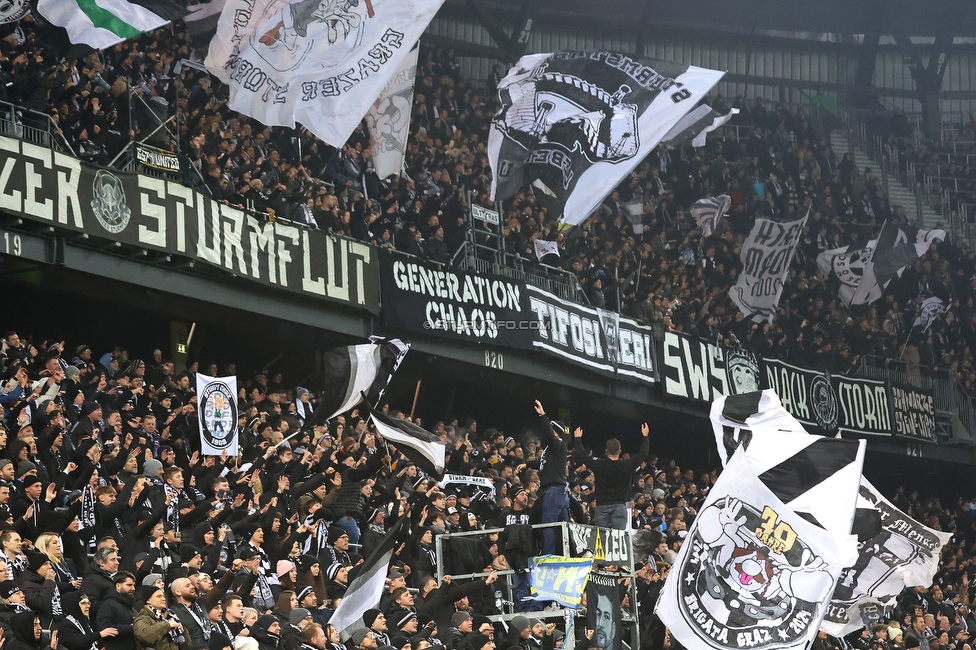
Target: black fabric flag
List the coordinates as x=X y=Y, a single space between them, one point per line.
x=416 y=443
x=366 y=589
x=351 y=372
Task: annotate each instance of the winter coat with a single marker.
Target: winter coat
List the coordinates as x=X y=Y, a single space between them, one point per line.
x=115 y=610
x=153 y=632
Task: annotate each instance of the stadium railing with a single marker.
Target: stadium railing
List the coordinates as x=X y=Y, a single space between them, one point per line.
x=32 y=126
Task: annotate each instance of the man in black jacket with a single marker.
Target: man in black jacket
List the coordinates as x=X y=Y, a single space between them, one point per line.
x=613 y=479
x=116 y=611
x=191 y=614
x=552 y=479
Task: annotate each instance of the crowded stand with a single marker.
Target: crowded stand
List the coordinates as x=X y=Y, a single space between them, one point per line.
x=118 y=532
x=772 y=163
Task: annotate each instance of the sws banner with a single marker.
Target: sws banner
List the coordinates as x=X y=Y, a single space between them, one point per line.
x=484 y=309
x=573 y=332
x=913 y=411
x=160 y=215
x=699 y=370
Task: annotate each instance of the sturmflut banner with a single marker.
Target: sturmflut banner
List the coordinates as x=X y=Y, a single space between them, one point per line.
x=574 y=124
x=485 y=309
x=766 y=257
x=573 y=332
x=217 y=412
x=161 y=215
x=318 y=62
x=699 y=370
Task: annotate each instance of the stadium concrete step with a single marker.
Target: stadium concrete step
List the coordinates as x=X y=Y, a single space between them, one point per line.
x=898 y=194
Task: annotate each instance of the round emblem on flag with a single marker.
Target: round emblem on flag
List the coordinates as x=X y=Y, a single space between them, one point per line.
x=747 y=579
x=824 y=403
x=12 y=10
x=218 y=406
x=108 y=202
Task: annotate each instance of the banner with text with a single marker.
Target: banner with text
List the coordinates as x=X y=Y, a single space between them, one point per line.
x=913 y=411
x=573 y=332
x=766 y=256
x=864 y=407
x=165 y=216
x=806 y=393
x=157 y=158
x=699 y=370
x=560 y=579
x=485 y=309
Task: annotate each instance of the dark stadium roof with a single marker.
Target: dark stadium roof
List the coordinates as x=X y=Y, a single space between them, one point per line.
x=747 y=16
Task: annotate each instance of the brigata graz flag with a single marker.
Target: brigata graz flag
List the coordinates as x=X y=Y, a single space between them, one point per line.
x=318 y=62
x=898 y=552
x=355 y=371
x=575 y=123
x=751 y=573
x=217 y=412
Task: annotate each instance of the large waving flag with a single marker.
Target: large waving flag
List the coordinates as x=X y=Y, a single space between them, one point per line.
x=709 y=211
x=895 y=250
x=352 y=372
x=847 y=265
x=389 y=119
x=102 y=24
x=318 y=62
x=366 y=588
x=751 y=573
x=574 y=124
x=416 y=443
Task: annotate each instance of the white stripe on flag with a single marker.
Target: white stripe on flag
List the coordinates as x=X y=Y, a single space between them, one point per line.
x=366 y=589
x=363 y=363
x=432 y=451
x=80 y=28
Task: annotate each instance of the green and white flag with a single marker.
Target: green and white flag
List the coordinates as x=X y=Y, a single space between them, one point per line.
x=102 y=24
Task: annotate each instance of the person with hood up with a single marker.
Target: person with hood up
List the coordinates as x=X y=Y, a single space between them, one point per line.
x=77 y=631
x=27 y=630
x=39 y=587
x=267 y=632
x=155 y=627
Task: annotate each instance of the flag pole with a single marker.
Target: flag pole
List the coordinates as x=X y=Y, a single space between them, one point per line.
x=416 y=394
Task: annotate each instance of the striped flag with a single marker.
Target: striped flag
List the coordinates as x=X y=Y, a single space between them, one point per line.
x=544 y=248
x=894 y=251
x=108 y=22
x=694 y=127
x=709 y=211
x=416 y=443
x=355 y=371
x=366 y=588
x=817 y=477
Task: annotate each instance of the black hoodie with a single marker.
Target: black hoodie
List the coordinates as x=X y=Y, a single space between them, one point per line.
x=22 y=625
x=76 y=632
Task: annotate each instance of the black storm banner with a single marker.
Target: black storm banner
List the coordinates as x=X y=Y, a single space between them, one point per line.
x=864 y=405
x=462 y=306
x=806 y=393
x=573 y=332
x=152 y=213
x=699 y=370
x=913 y=412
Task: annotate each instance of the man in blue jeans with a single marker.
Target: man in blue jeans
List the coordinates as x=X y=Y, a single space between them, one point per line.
x=614 y=479
x=552 y=479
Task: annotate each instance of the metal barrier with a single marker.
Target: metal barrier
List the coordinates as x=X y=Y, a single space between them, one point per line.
x=949 y=397
x=570 y=535
x=32 y=126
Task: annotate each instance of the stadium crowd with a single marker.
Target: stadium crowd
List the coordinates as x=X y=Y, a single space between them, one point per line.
x=771 y=161
x=115 y=531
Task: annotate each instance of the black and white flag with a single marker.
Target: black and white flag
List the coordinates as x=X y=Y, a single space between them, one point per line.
x=635 y=212
x=895 y=250
x=217 y=413
x=366 y=588
x=201 y=21
x=545 y=248
x=766 y=257
x=709 y=211
x=318 y=62
x=353 y=371
x=931 y=308
x=815 y=476
x=694 y=127
x=847 y=264
x=389 y=119
x=610 y=324
x=897 y=552
x=416 y=443
x=752 y=573
x=576 y=123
